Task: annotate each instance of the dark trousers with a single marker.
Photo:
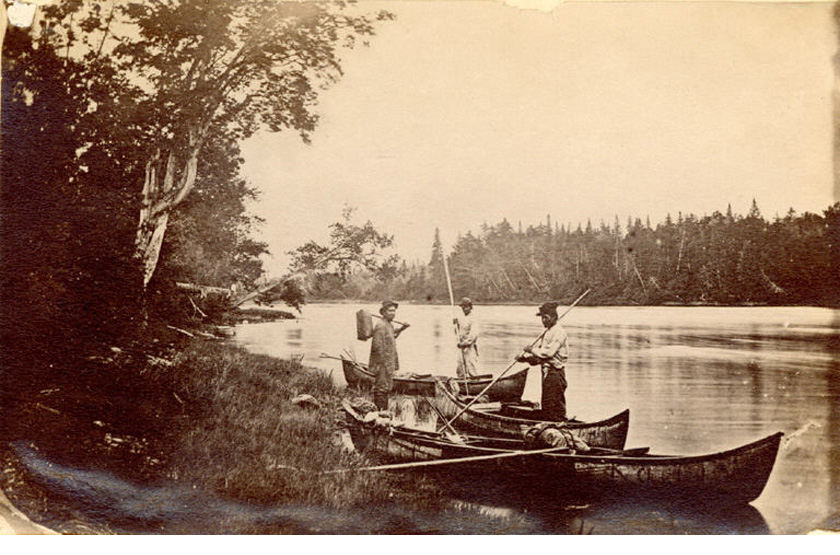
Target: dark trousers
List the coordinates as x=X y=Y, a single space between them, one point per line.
x=553 y=393
x=382 y=386
x=380 y=399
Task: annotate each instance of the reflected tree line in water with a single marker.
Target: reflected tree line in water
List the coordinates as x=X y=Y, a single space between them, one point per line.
x=717 y=259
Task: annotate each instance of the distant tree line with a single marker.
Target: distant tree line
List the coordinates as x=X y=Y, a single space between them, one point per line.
x=718 y=259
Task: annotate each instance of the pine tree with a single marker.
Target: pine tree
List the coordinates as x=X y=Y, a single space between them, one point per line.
x=437 y=272
x=754 y=211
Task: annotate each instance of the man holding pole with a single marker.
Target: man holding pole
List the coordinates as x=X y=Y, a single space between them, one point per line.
x=467 y=333
x=384 y=362
x=550 y=352
x=554 y=346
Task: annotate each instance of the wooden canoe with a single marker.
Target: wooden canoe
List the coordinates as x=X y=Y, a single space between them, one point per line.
x=610 y=433
x=732 y=477
x=508 y=388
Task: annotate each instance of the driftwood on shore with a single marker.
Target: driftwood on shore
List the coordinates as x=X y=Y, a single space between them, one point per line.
x=204 y=290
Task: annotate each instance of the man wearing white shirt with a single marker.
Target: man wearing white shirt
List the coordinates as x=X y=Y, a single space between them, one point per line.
x=550 y=352
x=467 y=331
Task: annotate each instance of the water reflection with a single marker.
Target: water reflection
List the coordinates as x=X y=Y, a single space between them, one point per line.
x=640 y=519
x=697 y=380
x=582 y=516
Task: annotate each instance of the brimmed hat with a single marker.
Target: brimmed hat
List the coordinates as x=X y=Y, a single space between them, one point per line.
x=549 y=308
x=465 y=302
x=386 y=305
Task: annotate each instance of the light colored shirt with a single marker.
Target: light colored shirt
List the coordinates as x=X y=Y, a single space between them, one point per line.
x=553 y=347
x=467 y=330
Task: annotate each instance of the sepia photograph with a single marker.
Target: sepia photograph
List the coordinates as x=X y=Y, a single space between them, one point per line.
x=419 y=267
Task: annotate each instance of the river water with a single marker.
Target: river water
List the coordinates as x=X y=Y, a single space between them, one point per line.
x=696 y=380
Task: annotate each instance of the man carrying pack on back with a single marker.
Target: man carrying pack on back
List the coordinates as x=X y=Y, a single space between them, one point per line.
x=384 y=362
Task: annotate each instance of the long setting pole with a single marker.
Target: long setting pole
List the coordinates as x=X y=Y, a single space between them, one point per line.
x=456 y=327
x=468 y=405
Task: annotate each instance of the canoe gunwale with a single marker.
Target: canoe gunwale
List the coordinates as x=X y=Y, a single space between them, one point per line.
x=432 y=437
x=356 y=374
x=729 y=477
x=657 y=459
x=428 y=437
x=515 y=421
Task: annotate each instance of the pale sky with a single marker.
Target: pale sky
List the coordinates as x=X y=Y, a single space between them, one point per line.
x=465 y=112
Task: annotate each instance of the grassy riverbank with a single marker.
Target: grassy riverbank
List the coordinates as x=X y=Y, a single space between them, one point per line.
x=204 y=415
x=248 y=440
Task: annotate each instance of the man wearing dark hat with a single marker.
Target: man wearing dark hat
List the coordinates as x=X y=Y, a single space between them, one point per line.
x=467 y=331
x=384 y=362
x=550 y=352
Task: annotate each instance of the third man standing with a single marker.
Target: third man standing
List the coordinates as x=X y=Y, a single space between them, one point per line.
x=467 y=330
x=550 y=353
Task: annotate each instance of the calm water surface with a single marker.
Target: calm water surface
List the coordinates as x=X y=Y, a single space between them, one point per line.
x=696 y=380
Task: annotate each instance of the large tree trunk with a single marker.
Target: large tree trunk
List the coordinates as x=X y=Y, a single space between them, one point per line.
x=160 y=197
x=149 y=244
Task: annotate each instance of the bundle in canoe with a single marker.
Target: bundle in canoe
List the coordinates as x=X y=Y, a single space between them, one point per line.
x=508 y=388
x=732 y=477
x=491 y=420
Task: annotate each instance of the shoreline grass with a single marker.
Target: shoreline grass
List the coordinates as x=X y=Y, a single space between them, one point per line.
x=247 y=440
x=210 y=416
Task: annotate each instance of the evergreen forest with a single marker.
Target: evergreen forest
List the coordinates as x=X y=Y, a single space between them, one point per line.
x=717 y=259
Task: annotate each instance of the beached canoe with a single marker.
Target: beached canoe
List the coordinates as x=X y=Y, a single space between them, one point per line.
x=508 y=388
x=734 y=476
x=492 y=420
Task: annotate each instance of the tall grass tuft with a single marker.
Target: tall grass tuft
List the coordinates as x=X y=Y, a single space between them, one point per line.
x=245 y=439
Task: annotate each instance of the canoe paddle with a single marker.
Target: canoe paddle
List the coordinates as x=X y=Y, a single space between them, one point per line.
x=468 y=405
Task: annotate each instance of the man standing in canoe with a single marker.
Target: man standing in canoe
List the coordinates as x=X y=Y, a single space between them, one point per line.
x=384 y=362
x=550 y=352
x=467 y=331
